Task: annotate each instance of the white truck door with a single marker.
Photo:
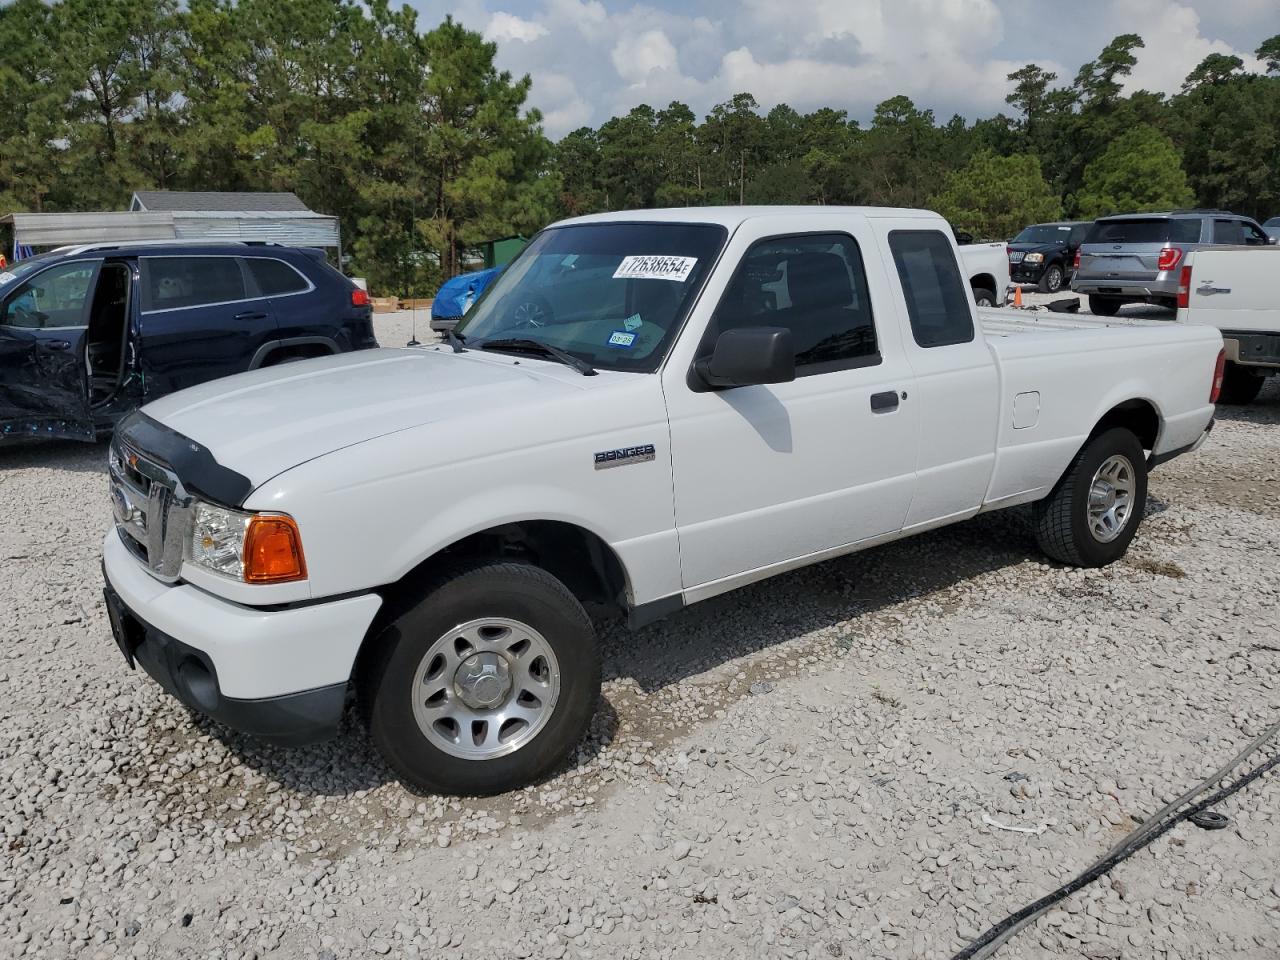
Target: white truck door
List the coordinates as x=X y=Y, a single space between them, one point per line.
x=764 y=475
x=957 y=385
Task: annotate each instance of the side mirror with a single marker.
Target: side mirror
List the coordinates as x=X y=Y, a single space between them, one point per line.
x=749 y=356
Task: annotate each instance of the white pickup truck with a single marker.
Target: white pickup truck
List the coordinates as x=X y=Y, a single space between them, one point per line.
x=1237 y=290
x=647 y=409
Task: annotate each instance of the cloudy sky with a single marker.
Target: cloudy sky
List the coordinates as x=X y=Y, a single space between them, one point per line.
x=592 y=59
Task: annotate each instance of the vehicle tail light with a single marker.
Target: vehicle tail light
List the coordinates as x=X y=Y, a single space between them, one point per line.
x=1219 y=370
x=273 y=550
x=1075 y=264
x=1184 y=287
x=359 y=298
x=1007 y=250
x=1169 y=258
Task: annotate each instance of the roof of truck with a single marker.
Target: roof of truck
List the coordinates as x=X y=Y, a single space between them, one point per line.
x=734 y=216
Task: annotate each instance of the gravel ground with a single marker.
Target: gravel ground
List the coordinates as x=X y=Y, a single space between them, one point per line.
x=798 y=769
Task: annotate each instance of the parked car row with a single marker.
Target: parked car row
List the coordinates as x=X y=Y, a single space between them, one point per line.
x=1128 y=258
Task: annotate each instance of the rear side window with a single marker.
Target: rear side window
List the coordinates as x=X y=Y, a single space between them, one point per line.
x=1146 y=230
x=1228 y=231
x=937 y=298
x=172 y=282
x=815 y=286
x=275 y=278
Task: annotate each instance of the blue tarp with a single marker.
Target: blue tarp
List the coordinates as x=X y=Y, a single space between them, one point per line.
x=456 y=295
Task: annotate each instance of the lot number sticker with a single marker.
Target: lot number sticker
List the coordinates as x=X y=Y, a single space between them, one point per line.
x=655 y=268
x=620 y=338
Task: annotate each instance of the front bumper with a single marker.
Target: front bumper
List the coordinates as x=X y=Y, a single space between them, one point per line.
x=1024 y=272
x=280 y=674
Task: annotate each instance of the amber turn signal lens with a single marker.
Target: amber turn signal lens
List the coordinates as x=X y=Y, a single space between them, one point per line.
x=273 y=550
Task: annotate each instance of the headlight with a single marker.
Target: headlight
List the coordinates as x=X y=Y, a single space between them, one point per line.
x=250 y=547
x=1034 y=258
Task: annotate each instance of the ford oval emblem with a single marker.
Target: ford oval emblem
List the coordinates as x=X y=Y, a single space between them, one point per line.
x=120 y=505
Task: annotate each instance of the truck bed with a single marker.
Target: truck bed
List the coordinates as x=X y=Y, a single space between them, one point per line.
x=1006 y=322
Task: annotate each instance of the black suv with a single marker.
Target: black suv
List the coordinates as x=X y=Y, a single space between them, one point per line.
x=1044 y=254
x=89 y=333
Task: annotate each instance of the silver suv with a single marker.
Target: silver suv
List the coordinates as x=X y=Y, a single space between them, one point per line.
x=1135 y=258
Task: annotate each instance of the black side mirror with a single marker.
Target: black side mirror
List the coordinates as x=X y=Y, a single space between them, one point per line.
x=748 y=356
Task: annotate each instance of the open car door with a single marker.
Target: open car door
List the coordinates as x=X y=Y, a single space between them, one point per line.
x=42 y=376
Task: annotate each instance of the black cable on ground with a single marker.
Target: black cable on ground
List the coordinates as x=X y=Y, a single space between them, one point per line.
x=1146 y=834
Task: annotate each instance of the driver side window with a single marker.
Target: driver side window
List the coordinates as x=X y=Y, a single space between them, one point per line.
x=52 y=298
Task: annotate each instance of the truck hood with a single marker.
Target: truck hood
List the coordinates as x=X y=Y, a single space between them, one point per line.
x=262 y=423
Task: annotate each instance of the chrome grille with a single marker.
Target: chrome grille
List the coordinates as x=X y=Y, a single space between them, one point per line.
x=152 y=510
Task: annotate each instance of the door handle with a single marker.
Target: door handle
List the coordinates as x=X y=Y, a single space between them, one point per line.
x=58 y=344
x=1207 y=289
x=884 y=402
x=251 y=315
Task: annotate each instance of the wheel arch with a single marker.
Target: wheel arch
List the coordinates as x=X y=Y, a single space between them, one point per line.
x=1138 y=415
x=983 y=281
x=580 y=558
x=308 y=346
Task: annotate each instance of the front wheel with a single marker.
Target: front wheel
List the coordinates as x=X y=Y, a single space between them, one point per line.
x=1240 y=385
x=1093 y=513
x=1051 y=279
x=486 y=684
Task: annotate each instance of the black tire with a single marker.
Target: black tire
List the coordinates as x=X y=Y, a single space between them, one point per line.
x=487 y=589
x=1103 y=306
x=1062 y=522
x=1240 y=385
x=984 y=297
x=1052 y=279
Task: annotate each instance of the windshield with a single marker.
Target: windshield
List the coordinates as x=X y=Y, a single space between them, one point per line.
x=1043 y=233
x=612 y=294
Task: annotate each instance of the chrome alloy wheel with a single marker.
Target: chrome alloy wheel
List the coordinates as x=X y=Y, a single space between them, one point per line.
x=485 y=688
x=1111 y=495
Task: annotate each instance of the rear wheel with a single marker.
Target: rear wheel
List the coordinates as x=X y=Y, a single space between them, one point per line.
x=1240 y=385
x=1093 y=513
x=1103 y=306
x=486 y=684
x=984 y=297
x=1051 y=279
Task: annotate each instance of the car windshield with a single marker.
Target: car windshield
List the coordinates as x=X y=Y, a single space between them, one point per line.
x=1043 y=233
x=1145 y=230
x=612 y=294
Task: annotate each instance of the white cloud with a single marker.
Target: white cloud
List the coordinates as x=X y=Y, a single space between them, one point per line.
x=635 y=57
x=592 y=59
x=506 y=27
x=1175 y=44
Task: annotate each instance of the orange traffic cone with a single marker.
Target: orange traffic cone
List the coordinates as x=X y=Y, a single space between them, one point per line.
x=1017 y=296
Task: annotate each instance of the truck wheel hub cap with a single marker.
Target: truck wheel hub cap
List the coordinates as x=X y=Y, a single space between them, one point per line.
x=483 y=680
x=485 y=688
x=1111 y=498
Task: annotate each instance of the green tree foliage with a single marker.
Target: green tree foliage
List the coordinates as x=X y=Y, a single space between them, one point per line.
x=423 y=148
x=1140 y=171
x=995 y=197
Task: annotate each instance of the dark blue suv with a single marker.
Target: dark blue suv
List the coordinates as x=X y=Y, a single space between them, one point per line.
x=89 y=333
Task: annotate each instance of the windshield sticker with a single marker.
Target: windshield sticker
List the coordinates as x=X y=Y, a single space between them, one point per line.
x=620 y=338
x=7 y=276
x=655 y=268
x=632 y=322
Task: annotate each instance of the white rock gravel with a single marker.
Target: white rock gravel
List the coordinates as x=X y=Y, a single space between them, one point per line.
x=799 y=769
